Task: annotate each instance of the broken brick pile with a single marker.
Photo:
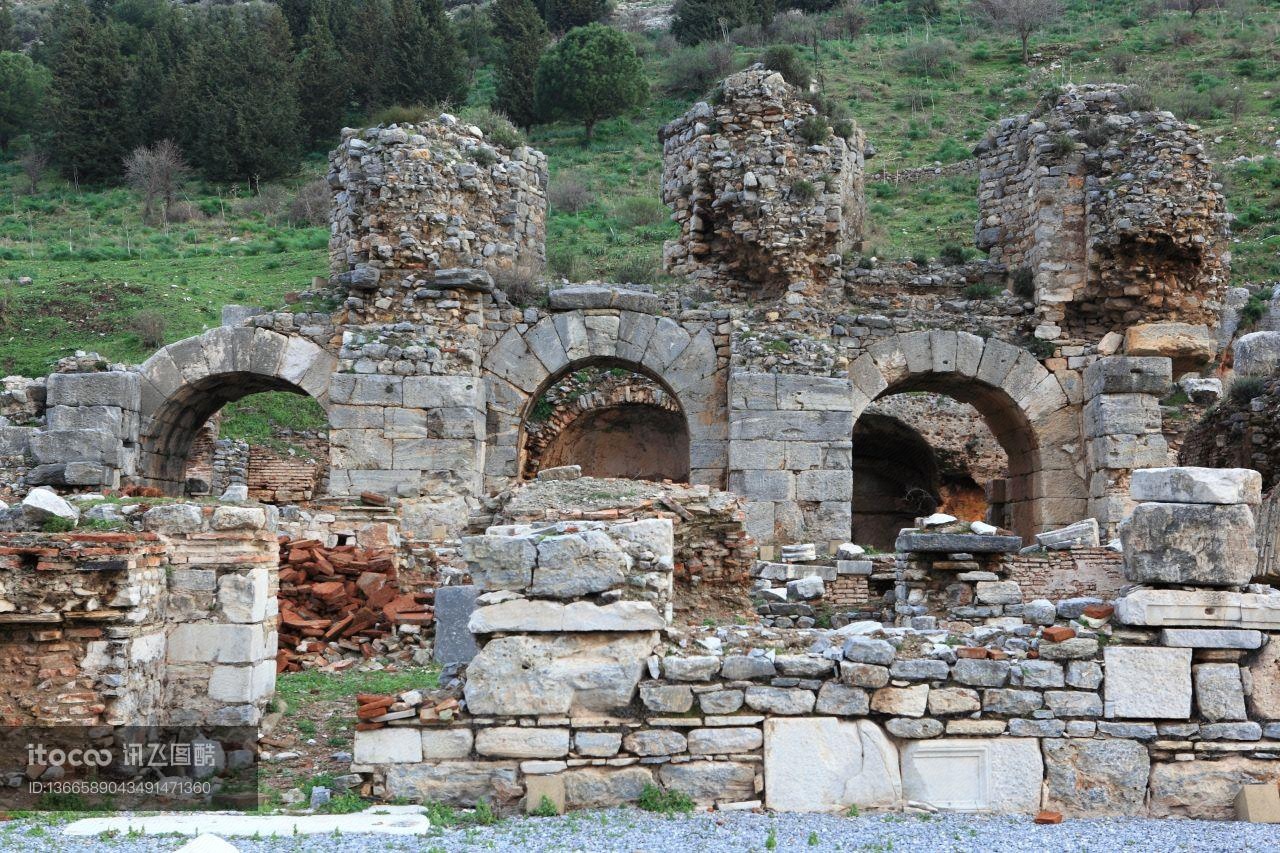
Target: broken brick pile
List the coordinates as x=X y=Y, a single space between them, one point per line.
x=339 y=604
x=374 y=711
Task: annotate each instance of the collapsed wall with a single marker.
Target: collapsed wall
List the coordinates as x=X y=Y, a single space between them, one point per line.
x=767 y=194
x=1110 y=208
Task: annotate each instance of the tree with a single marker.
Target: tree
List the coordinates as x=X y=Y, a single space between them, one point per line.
x=564 y=15
x=323 y=91
x=360 y=26
x=92 y=130
x=1022 y=17
x=8 y=29
x=426 y=63
x=156 y=173
x=703 y=20
x=590 y=74
x=1193 y=7
x=22 y=89
x=34 y=163
x=524 y=37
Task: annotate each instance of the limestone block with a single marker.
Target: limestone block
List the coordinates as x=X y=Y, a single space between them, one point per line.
x=442 y=392
x=666 y=698
x=566 y=674
x=578 y=564
x=901 y=701
x=1209 y=608
x=1200 y=544
x=780 y=700
x=1211 y=638
x=454 y=641
x=42 y=505
x=242 y=683
x=1188 y=346
x=725 y=740
x=801 y=391
x=1082 y=534
x=1128 y=375
x=696 y=668
x=117 y=388
x=919 y=669
x=981 y=673
x=388 y=746
x=597 y=744
x=1011 y=703
x=522 y=742
x=656 y=535
x=841 y=700
x=1072 y=703
x=711 y=781
x=979 y=774
x=1150 y=683
x=544 y=789
x=500 y=562
x=1257 y=354
x=460 y=784
x=208 y=642
x=1206 y=790
x=721 y=701
x=1264 y=678
x=746 y=668
x=1041 y=673
x=998 y=592
x=1094 y=778
x=825 y=765
x=536 y=615
x=1127 y=451
x=655 y=742
x=366 y=389
x=1189 y=485
x=76 y=445
x=1219 y=692
x=442 y=744
x=109 y=419
x=803 y=666
x=953 y=700
x=601 y=787
x=869 y=651
x=238 y=518
x=1119 y=414
x=243 y=597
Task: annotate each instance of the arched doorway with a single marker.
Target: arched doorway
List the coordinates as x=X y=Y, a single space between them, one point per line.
x=187 y=382
x=612 y=419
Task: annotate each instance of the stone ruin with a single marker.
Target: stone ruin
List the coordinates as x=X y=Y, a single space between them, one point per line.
x=1099 y=643
x=1111 y=210
x=768 y=197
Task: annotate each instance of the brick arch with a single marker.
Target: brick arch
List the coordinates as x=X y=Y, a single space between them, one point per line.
x=186 y=382
x=1023 y=403
x=523 y=364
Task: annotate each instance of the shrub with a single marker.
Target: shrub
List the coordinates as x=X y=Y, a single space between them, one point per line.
x=497 y=128
x=1244 y=388
x=545 y=808
x=695 y=70
x=565 y=263
x=157 y=174
x=953 y=254
x=847 y=22
x=654 y=799
x=1024 y=282
x=569 y=193
x=185 y=211
x=411 y=114
x=522 y=284
x=980 y=290
x=149 y=326
x=639 y=268
x=1119 y=60
x=814 y=130
x=1063 y=145
x=843 y=128
x=564 y=15
x=920 y=259
x=1256 y=307
x=482 y=155
x=636 y=211
x=933 y=58
x=697 y=21
x=803 y=191
x=791 y=27
x=592 y=73
x=310 y=204
x=788 y=62
x=57 y=524
x=1041 y=348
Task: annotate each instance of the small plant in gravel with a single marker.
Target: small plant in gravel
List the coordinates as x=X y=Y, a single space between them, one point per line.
x=771 y=840
x=813 y=839
x=654 y=799
x=545 y=808
x=852 y=811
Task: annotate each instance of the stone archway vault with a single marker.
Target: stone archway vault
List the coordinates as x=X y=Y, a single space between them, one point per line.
x=682 y=357
x=186 y=382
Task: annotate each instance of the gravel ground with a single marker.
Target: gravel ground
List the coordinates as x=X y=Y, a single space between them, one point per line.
x=632 y=831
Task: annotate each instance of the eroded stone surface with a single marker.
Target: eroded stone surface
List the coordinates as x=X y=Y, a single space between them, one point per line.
x=1090 y=778
x=825 y=765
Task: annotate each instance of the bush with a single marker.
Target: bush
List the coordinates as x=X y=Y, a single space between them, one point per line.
x=934 y=58
x=1244 y=388
x=695 y=70
x=920 y=259
x=654 y=799
x=1119 y=60
x=814 y=130
x=980 y=290
x=411 y=114
x=563 y=15
x=697 y=21
x=496 y=127
x=788 y=62
x=953 y=254
x=149 y=326
x=482 y=155
x=566 y=263
x=592 y=73
x=847 y=22
x=568 y=193
x=522 y=284
x=1256 y=307
x=792 y=28
x=636 y=211
x=310 y=204
x=639 y=268
x=803 y=191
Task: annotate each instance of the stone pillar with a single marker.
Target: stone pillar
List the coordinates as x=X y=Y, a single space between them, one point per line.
x=92 y=433
x=790 y=439
x=1122 y=430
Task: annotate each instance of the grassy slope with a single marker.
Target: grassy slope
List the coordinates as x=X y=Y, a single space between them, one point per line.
x=93 y=264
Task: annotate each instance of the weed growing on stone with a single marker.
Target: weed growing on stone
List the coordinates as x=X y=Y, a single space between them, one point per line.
x=654 y=799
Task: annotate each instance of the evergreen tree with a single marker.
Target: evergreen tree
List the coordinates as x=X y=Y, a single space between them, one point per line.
x=92 y=129
x=361 y=26
x=243 y=121
x=426 y=64
x=322 y=79
x=298 y=14
x=590 y=74
x=149 y=91
x=22 y=88
x=9 y=40
x=524 y=37
x=702 y=20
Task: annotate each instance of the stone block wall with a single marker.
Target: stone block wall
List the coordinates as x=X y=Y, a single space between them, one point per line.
x=1239 y=434
x=767 y=198
x=172 y=624
x=1112 y=209
x=90 y=437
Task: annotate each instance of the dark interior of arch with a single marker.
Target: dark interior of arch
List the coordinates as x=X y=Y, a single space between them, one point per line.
x=609 y=418
x=889 y=460
x=166 y=440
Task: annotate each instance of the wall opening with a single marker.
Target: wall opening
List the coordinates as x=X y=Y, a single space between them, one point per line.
x=612 y=420
x=929 y=445
x=264 y=427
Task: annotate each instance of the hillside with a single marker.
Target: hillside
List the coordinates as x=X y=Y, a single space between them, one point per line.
x=79 y=265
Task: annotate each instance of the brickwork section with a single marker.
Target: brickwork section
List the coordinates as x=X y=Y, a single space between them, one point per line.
x=1076 y=573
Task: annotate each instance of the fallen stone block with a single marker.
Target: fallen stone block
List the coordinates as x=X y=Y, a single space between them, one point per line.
x=1157 y=608
x=1257 y=354
x=1190 y=485
x=1196 y=544
x=1082 y=534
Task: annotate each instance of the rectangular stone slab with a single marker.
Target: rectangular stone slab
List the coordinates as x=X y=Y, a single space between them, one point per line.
x=957 y=543
x=1190 y=485
x=1211 y=638
x=1158 y=608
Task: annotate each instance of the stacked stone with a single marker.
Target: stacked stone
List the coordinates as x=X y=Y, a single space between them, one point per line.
x=1243 y=434
x=92 y=427
x=958 y=574
x=760 y=207
x=1122 y=429
x=230 y=466
x=1118 y=195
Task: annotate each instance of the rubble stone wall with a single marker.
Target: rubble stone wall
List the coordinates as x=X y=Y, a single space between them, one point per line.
x=1112 y=209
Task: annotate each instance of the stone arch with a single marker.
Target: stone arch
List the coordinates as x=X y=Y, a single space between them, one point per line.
x=186 y=382
x=522 y=364
x=1024 y=404
x=615 y=422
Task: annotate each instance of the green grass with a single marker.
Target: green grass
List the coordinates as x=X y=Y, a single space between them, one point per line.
x=299 y=689
x=256 y=418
